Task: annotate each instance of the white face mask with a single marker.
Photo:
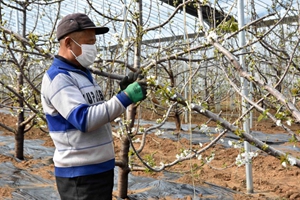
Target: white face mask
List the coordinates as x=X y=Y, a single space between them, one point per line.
x=88 y=55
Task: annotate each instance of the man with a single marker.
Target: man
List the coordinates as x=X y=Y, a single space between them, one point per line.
x=78 y=117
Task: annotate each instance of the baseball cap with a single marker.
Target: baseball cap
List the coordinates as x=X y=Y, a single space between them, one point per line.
x=77 y=22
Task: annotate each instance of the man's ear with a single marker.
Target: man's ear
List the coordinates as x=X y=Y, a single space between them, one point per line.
x=67 y=42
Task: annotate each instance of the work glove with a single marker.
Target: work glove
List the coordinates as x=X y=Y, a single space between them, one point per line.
x=130 y=78
x=136 y=91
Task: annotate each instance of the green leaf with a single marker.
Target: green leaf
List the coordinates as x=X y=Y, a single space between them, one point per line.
x=263 y=115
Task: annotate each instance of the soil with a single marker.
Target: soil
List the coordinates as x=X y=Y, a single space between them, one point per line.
x=270 y=179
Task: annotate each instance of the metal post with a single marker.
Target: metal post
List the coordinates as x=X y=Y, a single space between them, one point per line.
x=125 y=37
x=186 y=113
x=126 y=33
x=245 y=92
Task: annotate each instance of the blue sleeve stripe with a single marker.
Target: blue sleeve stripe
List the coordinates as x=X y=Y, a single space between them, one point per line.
x=78 y=117
x=58 y=124
x=124 y=99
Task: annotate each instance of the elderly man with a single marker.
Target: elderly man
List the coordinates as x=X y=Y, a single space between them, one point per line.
x=78 y=117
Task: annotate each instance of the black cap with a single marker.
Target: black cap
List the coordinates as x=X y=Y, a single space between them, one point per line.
x=77 y=22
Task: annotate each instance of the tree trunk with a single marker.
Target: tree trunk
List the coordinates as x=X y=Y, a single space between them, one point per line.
x=19 y=143
x=19 y=137
x=177 y=120
x=131 y=112
x=124 y=169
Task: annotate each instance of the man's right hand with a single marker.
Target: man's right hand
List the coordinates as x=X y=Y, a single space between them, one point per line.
x=130 y=78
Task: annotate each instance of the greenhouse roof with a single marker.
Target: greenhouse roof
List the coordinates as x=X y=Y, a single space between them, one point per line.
x=155 y=12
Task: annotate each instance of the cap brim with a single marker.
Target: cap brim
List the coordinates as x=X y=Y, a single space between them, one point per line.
x=100 y=30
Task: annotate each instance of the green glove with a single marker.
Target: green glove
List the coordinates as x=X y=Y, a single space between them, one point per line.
x=136 y=91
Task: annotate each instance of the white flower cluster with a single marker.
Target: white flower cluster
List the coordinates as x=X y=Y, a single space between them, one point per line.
x=193 y=106
x=158 y=121
x=200 y=144
x=120 y=132
x=218 y=129
x=183 y=154
x=174 y=96
x=152 y=78
x=137 y=140
x=236 y=145
x=159 y=132
x=212 y=36
x=25 y=90
x=125 y=45
x=204 y=128
x=162 y=164
x=133 y=129
x=210 y=158
x=291 y=160
x=199 y=156
x=244 y=158
x=278 y=123
x=116 y=35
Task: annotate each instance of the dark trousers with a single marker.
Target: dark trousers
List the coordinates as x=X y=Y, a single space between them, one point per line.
x=91 y=187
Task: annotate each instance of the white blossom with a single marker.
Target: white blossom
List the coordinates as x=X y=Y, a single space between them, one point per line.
x=17 y=72
x=133 y=129
x=289 y=122
x=159 y=132
x=125 y=45
x=283 y=164
x=209 y=159
x=218 y=129
x=158 y=121
x=116 y=35
x=183 y=154
x=193 y=105
x=150 y=77
x=230 y=143
x=237 y=145
x=278 y=123
x=138 y=140
x=199 y=157
x=292 y=161
x=174 y=96
x=212 y=36
x=239 y=161
x=244 y=158
x=25 y=90
x=203 y=128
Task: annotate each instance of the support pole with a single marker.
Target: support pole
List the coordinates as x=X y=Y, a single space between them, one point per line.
x=245 y=92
